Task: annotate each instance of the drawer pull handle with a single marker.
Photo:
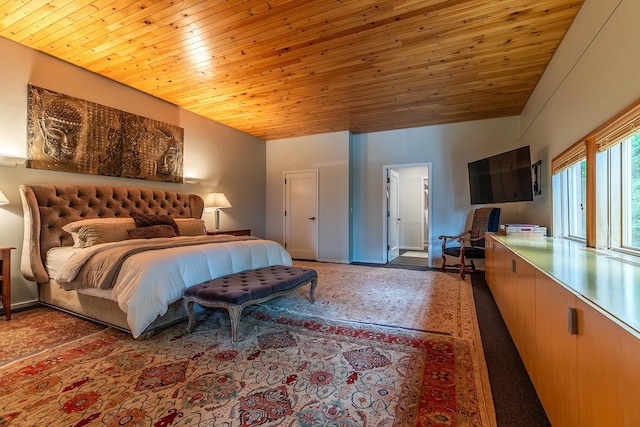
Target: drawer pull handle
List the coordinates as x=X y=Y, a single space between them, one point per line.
x=573 y=321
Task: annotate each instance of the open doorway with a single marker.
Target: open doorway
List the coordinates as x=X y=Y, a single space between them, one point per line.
x=407 y=201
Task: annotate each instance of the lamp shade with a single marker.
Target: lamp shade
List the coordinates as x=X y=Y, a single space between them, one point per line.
x=217 y=201
x=3 y=199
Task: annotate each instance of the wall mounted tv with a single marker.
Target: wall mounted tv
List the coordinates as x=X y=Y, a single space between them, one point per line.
x=501 y=178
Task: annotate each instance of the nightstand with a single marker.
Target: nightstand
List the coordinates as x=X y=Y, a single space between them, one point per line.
x=5 y=279
x=246 y=232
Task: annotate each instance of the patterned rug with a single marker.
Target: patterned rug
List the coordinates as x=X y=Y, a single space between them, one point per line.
x=31 y=331
x=285 y=371
x=331 y=363
x=427 y=301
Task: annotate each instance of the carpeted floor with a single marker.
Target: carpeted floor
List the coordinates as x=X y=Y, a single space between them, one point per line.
x=415 y=254
x=293 y=365
x=516 y=401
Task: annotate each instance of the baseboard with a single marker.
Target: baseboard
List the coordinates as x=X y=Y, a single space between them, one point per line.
x=24 y=305
x=335 y=261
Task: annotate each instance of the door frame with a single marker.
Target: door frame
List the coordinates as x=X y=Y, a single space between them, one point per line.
x=393 y=251
x=427 y=203
x=426 y=199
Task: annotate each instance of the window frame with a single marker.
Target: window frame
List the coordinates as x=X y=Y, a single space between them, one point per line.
x=604 y=183
x=567 y=180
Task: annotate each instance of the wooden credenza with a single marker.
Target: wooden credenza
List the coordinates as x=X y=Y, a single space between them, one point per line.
x=574 y=316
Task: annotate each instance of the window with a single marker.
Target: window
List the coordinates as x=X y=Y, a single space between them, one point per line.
x=570 y=193
x=632 y=208
x=571 y=183
x=602 y=170
x=621 y=200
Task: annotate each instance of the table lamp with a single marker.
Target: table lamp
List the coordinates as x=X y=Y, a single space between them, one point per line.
x=217 y=201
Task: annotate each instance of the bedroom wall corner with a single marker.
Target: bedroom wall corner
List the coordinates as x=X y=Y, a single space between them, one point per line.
x=329 y=154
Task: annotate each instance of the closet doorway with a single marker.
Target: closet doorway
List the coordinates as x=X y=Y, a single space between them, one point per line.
x=408 y=229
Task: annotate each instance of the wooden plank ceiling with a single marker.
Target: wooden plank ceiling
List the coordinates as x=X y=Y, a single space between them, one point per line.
x=283 y=68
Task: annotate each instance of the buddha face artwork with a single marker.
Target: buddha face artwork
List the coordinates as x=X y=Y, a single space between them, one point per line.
x=169 y=163
x=61 y=125
x=73 y=135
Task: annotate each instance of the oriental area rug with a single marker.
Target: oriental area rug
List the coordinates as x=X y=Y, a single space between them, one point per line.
x=287 y=369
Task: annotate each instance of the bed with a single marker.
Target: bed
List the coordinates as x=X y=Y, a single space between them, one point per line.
x=145 y=292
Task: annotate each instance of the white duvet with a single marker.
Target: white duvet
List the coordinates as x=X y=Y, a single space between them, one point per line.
x=149 y=282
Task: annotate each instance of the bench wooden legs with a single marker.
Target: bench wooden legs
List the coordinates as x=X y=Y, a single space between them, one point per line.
x=235 y=310
x=188 y=306
x=314 y=282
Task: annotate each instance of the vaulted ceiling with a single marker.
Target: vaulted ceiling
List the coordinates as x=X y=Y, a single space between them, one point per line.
x=283 y=68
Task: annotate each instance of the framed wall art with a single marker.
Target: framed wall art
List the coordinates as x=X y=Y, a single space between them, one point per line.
x=73 y=135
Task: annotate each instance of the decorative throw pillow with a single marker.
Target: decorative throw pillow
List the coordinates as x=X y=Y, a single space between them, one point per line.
x=145 y=220
x=152 y=232
x=191 y=226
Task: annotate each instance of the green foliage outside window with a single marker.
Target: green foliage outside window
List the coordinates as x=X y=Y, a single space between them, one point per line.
x=635 y=190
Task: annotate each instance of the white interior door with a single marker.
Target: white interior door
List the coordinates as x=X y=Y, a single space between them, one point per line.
x=301 y=214
x=425 y=210
x=393 y=212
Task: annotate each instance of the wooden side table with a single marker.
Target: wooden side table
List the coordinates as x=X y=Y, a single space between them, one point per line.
x=5 y=279
x=246 y=232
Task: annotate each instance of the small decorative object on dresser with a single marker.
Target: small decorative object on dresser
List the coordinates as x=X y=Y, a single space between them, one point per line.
x=246 y=232
x=5 y=279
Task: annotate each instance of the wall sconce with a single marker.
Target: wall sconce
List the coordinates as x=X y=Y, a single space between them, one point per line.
x=11 y=160
x=217 y=201
x=3 y=199
x=191 y=180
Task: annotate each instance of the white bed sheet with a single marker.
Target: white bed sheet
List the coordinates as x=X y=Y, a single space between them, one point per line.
x=149 y=282
x=55 y=261
x=56 y=257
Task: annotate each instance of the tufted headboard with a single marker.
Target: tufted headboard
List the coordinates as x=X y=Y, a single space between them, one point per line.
x=48 y=207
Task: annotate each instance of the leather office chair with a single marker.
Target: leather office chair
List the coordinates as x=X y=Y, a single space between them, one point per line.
x=470 y=243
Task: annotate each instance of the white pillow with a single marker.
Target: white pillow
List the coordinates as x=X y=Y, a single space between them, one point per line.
x=89 y=232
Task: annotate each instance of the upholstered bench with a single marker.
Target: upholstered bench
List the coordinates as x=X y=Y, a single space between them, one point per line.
x=236 y=291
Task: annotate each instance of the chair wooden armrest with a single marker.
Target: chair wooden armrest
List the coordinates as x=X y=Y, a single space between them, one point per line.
x=469 y=240
x=458 y=237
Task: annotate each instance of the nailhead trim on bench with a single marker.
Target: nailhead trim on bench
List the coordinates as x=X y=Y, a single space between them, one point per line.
x=236 y=291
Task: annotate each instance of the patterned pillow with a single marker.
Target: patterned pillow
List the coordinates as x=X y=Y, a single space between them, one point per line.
x=144 y=220
x=152 y=232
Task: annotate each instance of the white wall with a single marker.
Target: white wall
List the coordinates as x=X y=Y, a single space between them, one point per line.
x=329 y=154
x=411 y=213
x=448 y=148
x=592 y=76
x=225 y=159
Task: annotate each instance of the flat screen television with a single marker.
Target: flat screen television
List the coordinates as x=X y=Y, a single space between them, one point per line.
x=501 y=178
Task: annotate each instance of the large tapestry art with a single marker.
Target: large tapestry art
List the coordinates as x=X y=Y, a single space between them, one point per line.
x=72 y=135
